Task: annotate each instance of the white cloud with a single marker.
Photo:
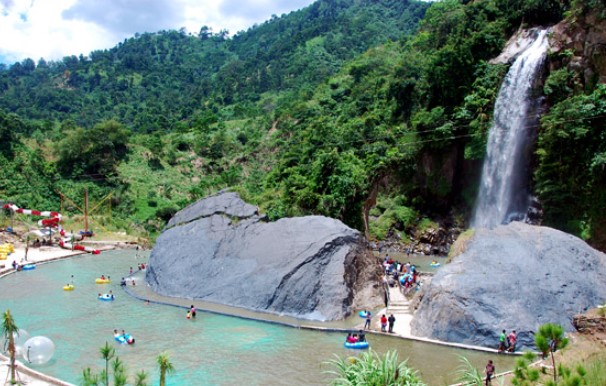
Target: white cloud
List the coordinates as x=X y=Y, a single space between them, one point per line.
x=53 y=29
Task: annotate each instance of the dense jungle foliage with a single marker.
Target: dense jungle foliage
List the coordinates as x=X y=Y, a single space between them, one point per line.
x=341 y=108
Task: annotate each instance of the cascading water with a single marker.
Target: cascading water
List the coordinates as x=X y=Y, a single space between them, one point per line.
x=503 y=194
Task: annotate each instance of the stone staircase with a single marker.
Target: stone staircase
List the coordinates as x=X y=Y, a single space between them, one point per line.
x=399 y=306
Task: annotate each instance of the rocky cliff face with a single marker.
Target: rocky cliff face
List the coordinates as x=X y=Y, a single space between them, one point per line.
x=581 y=47
x=221 y=250
x=516 y=276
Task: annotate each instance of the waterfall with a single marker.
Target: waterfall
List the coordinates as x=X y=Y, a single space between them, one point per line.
x=504 y=195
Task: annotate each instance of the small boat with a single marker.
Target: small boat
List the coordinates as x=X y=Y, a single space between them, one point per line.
x=357 y=345
x=68 y=287
x=107 y=297
x=102 y=281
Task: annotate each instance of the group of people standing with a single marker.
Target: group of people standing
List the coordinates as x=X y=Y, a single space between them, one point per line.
x=385 y=321
x=395 y=271
x=507 y=343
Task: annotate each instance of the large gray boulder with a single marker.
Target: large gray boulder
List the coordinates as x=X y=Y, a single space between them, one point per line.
x=513 y=277
x=220 y=250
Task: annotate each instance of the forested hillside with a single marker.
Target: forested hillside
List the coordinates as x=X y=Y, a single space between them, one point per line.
x=171 y=80
x=340 y=109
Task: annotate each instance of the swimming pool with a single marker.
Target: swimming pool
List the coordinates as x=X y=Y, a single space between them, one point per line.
x=210 y=350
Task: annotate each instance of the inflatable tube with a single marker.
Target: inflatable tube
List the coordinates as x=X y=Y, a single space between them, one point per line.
x=407 y=277
x=434 y=264
x=102 y=281
x=362 y=314
x=76 y=247
x=357 y=345
x=29 y=267
x=69 y=287
x=124 y=339
x=106 y=297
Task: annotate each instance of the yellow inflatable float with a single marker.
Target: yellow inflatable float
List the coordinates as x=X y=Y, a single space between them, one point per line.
x=102 y=280
x=68 y=287
x=5 y=250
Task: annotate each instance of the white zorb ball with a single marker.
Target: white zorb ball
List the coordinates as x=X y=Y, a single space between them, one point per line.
x=38 y=350
x=19 y=338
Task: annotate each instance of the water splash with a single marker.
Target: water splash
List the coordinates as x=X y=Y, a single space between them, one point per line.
x=503 y=195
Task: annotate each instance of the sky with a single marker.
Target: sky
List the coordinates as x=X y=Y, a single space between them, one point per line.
x=53 y=29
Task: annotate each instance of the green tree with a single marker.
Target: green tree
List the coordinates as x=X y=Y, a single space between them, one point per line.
x=549 y=339
x=141 y=378
x=166 y=367
x=371 y=369
x=523 y=374
x=107 y=353
x=89 y=378
x=468 y=374
x=95 y=152
x=118 y=369
x=9 y=330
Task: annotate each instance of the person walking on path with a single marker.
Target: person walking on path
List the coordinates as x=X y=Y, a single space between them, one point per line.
x=512 y=338
x=383 y=323
x=502 y=342
x=368 y=319
x=391 y=320
x=489 y=371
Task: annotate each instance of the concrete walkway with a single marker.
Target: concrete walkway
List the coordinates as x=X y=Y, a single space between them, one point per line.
x=399 y=307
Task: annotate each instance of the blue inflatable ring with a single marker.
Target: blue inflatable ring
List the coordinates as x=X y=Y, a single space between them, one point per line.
x=126 y=338
x=107 y=297
x=357 y=345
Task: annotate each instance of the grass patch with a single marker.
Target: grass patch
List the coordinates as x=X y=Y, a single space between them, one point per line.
x=460 y=244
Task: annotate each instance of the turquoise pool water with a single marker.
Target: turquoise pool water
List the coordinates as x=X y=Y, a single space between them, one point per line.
x=210 y=350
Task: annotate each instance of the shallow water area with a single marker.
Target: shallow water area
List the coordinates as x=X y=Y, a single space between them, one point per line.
x=422 y=262
x=211 y=349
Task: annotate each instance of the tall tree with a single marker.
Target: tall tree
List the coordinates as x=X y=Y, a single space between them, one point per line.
x=548 y=340
x=166 y=367
x=9 y=330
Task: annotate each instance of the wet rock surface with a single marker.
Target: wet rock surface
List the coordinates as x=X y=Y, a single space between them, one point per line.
x=221 y=250
x=514 y=277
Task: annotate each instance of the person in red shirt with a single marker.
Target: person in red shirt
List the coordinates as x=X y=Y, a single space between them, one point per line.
x=489 y=371
x=512 y=341
x=384 y=323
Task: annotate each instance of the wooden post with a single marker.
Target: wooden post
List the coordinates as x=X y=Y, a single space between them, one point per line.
x=86 y=211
